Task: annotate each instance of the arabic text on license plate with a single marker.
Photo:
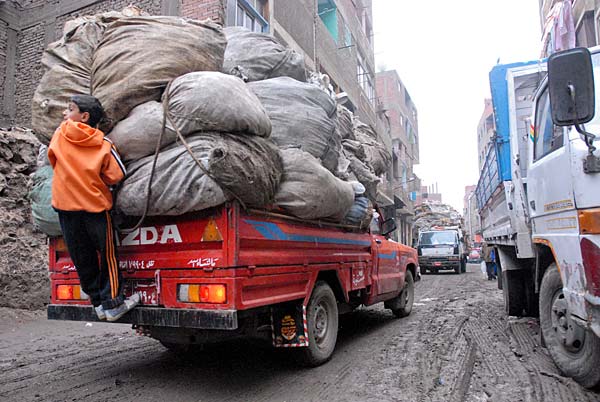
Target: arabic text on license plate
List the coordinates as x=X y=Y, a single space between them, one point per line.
x=147 y=292
x=437 y=264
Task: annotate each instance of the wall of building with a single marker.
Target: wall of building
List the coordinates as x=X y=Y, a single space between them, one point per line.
x=485 y=131
x=293 y=23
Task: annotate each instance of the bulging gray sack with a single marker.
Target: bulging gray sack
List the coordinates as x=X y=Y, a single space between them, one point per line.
x=138 y=56
x=302 y=116
x=244 y=167
x=310 y=191
x=212 y=101
x=68 y=64
x=256 y=56
x=44 y=216
x=197 y=102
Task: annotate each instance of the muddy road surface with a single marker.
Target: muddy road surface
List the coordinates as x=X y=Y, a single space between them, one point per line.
x=457 y=345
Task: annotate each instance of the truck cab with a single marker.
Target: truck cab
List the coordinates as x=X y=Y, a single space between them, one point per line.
x=563 y=194
x=441 y=248
x=539 y=202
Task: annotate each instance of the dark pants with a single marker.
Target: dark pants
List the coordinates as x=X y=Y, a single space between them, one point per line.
x=90 y=240
x=490 y=268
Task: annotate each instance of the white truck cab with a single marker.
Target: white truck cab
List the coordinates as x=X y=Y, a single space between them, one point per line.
x=563 y=194
x=539 y=201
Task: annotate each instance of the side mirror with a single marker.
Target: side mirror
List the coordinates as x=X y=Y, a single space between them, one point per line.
x=388 y=226
x=571 y=86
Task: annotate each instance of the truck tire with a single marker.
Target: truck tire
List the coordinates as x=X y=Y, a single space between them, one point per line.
x=402 y=304
x=458 y=268
x=579 y=359
x=322 y=317
x=463 y=265
x=513 y=292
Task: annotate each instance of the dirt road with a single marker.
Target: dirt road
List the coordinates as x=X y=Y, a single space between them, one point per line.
x=456 y=346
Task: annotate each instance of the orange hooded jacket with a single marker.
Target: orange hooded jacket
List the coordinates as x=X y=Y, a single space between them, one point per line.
x=85 y=164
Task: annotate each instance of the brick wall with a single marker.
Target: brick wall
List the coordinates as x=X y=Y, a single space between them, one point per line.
x=203 y=9
x=152 y=7
x=30 y=46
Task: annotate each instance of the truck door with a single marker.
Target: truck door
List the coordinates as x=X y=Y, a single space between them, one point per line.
x=551 y=199
x=389 y=274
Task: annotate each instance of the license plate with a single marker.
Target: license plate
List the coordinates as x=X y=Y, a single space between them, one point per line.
x=437 y=264
x=146 y=290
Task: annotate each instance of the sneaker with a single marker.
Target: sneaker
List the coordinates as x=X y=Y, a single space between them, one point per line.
x=100 y=312
x=114 y=314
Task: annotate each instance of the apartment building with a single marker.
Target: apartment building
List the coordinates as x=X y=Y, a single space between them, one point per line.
x=485 y=131
x=399 y=111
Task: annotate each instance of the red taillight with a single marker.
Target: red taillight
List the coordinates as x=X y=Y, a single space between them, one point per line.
x=202 y=293
x=591 y=264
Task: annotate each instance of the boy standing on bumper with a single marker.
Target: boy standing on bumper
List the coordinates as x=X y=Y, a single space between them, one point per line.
x=85 y=165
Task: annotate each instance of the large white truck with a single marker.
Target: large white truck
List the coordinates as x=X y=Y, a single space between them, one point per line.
x=539 y=202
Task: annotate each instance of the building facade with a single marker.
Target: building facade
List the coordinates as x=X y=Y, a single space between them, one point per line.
x=471 y=217
x=400 y=113
x=485 y=132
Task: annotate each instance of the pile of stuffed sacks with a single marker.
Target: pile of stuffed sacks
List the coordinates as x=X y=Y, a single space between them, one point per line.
x=203 y=115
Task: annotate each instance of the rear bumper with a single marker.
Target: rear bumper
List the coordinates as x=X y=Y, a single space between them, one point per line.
x=153 y=316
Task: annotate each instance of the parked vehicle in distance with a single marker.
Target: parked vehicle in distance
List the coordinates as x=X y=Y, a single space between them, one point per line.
x=442 y=248
x=474 y=255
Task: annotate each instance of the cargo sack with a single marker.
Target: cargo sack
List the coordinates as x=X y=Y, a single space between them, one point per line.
x=68 y=64
x=378 y=157
x=309 y=191
x=243 y=167
x=44 y=216
x=138 y=56
x=255 y=56
x=136 y=136
x=212 y=101
x=302 y=116
x=362 y=173
x=345 y=125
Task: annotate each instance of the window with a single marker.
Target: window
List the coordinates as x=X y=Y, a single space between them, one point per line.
x=251 y=15
x=365 y=79
x=548 y=137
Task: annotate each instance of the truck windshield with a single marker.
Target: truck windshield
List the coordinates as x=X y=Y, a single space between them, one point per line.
x=436 y=238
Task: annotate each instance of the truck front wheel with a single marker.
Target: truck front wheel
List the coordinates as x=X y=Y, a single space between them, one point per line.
x=575 y=350
x=322 y=317
x=402 y=305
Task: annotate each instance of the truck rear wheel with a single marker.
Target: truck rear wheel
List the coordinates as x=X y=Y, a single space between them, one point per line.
x=513 y=291
x=575 y=350
x=322 y=317
x=402 y=304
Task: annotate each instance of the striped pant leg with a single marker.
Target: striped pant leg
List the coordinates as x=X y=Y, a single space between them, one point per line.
x=99 y=227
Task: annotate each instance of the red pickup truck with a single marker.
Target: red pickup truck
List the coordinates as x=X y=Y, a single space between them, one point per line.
x=227 y=272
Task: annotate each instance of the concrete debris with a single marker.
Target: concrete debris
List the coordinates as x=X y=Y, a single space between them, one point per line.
x=22 y=250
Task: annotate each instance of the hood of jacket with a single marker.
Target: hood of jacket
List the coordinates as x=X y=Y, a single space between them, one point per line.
x=81 y=134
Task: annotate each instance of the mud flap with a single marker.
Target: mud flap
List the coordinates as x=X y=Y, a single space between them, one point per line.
x=289 y=325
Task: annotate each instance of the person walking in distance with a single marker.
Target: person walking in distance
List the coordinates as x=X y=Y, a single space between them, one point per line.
x=488 y=253
x=86 y=165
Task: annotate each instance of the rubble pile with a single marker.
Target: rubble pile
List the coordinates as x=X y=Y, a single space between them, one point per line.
x=23 y=252
x=430 y=214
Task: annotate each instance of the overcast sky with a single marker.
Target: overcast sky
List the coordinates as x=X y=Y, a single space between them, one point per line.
x=443 y=51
